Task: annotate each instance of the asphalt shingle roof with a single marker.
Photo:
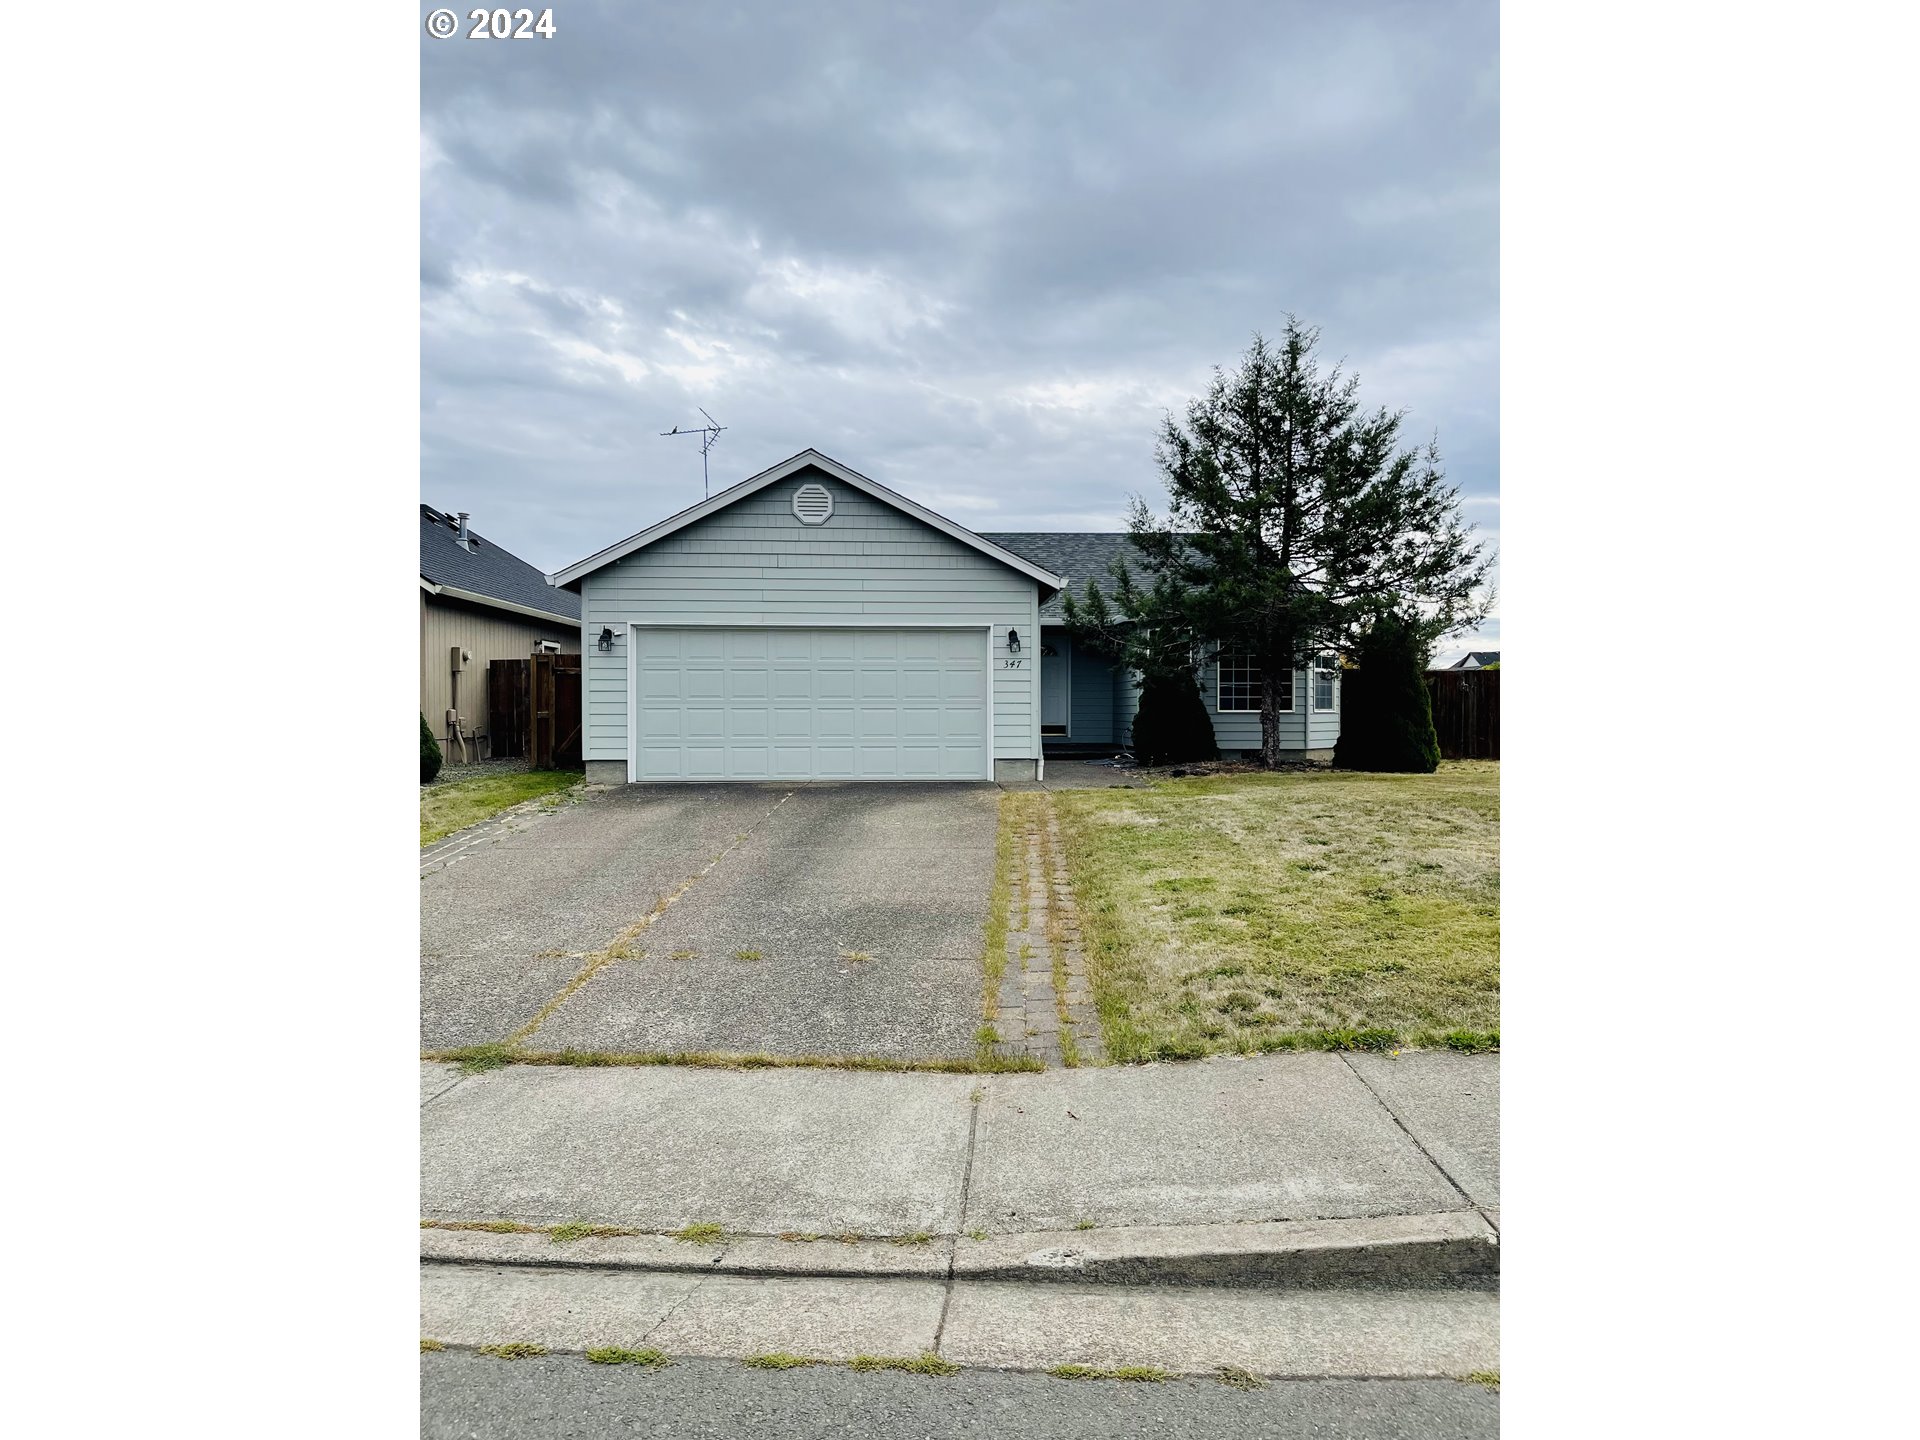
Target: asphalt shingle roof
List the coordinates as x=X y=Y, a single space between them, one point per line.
x=1077 y=555
x=486 y=569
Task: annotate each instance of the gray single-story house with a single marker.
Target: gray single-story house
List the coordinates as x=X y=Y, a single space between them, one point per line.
x=811 y=624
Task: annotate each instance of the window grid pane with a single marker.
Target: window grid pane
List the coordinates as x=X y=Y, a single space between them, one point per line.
x=1239 y=683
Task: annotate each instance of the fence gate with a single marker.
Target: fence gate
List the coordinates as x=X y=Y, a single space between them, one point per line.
x=509 y=690
x=554 y=731
x=1466 y=712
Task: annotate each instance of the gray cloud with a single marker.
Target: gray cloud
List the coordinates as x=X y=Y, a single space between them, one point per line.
x=973 y=250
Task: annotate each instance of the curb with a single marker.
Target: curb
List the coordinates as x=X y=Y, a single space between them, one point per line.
x=1456 y=1248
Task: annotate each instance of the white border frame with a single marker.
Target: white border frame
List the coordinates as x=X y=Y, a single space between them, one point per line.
x=634 y=627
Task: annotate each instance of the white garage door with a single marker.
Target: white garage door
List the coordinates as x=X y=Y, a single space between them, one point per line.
x=792 y=704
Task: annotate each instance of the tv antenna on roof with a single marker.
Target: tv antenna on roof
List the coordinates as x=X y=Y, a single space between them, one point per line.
x=709 y=434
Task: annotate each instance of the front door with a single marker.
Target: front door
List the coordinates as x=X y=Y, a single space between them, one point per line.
x=1055 y=682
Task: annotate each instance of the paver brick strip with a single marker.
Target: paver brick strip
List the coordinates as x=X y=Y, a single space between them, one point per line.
x=1043 y=945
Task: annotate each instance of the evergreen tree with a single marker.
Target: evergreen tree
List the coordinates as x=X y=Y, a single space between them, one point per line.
x=1387 y=720
x=1295 y=520
x=429 y=753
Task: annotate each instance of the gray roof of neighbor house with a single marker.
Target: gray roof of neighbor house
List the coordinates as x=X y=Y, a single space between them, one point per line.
x=1079 y=555
x=486 y=570
x=1479 y=659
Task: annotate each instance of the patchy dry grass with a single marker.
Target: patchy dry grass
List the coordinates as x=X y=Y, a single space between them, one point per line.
x=1236 y=1378
x=460 y=803
x=426 y=1345
x=1488 y=1378
x=1252 y=912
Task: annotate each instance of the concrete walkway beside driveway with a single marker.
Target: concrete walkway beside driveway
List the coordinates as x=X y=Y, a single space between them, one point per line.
x=794 y=919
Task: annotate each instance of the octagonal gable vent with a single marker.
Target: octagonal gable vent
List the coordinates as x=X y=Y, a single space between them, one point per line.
x=812 y=504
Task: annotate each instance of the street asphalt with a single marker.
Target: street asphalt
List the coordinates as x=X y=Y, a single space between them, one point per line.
x=465 y=1396
x=812 y=919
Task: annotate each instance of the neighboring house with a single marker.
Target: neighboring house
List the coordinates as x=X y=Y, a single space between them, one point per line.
x=810 y=623
x=489 y=604
x=1475 y=660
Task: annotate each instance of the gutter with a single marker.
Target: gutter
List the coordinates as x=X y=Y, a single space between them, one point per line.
x=473 y=597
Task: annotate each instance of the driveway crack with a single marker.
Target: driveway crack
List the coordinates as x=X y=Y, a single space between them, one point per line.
x=617 y=949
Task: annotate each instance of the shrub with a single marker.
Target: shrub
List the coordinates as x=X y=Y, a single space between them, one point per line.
x=429 y=753
x=1172 y=726
x=1386 y=720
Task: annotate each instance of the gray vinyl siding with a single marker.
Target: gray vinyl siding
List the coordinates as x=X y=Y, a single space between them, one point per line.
x=753 y=564
x=1241 y=730
x=1299 y=728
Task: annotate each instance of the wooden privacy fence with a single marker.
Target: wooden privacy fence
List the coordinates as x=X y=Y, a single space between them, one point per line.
x=533 y=709
x=1466 y=712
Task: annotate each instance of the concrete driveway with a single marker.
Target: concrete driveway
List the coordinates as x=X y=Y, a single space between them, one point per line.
x=789 y=919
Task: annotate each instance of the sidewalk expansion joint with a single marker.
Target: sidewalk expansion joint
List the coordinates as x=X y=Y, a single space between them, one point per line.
x=1427 y=1155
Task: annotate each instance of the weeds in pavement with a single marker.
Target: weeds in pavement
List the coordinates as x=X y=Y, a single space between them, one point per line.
x=489 y=1057
x=1239 y=1379
x=747 y=955
x=925 y=1364
x=614 y=1355
x=1488 y=1378
x=919 y=1237
x=780 y=1360
x=1146 y=1374
x=514 y=1350
x=473 y=1059
x=426 y=1345
x=701 y=1232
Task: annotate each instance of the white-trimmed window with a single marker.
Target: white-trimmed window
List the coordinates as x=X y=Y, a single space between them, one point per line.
x=1237 y=684
x=1325 y=674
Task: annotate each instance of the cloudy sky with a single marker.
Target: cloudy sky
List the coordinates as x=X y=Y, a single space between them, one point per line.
x=973 y=250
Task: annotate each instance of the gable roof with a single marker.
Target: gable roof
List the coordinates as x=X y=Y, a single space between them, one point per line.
x=1077 y=556
x=1475 y=660
x=486 y=574
x=571 y=577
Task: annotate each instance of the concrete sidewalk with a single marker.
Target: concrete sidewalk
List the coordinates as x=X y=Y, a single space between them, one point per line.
x=1223 y=1142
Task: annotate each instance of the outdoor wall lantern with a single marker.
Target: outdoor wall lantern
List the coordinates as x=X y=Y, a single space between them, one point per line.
x=606 y=637
x=1013 y=642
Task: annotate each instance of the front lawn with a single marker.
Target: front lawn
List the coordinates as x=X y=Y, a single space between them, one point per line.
x=460 y=803
x=1256 y=912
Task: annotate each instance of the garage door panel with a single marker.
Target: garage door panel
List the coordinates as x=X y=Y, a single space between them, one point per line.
x=792 y=723
x=794 y=703
x=792 y=684
x=792 y=645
